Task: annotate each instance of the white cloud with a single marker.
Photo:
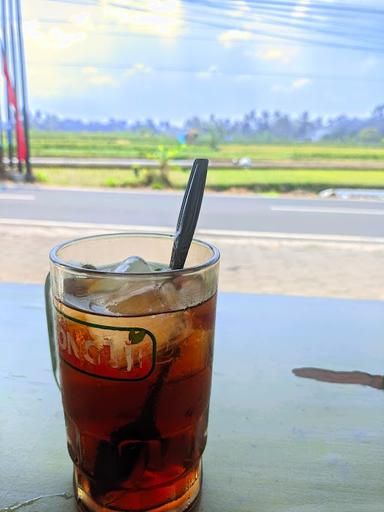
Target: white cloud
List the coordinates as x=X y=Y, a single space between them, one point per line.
x=272 y=54
x=58 y=54
x=95 y=77
x=53 y=38
x=156 y=17
x=268 y=45
x=300 y=83
x=47 y=83
x=229 y=37
x=207 y=74
x=47 y=47
x=137 y=69
x=283 y=54
x=295 y=85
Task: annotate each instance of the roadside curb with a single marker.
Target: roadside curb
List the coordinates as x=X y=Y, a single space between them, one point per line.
x=216 y=233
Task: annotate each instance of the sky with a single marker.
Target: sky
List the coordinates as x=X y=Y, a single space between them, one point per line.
x=172 y=59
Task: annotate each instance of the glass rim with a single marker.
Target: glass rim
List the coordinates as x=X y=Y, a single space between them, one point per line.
x=56 y=260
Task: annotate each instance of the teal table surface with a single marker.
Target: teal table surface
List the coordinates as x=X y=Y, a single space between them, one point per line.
x=277 y=442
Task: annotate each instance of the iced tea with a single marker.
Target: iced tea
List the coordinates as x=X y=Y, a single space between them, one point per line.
x=132 y=346
x=136 y=396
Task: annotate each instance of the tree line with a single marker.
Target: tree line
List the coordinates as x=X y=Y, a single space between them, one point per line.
x=262 y=127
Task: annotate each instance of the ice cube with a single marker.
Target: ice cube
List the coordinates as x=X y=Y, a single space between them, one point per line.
x=88 y=287
x=141 y=300
x=145 y=297
x=132 y=264
x=190 y=290
x=113 y=294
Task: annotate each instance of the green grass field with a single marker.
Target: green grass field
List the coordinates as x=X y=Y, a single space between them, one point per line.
x=120 y=144
x=254 y=180
x=264 y=180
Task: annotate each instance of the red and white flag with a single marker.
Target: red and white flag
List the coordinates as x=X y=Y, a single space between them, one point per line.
x=20 y=135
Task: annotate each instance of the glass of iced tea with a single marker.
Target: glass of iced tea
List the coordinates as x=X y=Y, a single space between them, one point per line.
x=132 y=347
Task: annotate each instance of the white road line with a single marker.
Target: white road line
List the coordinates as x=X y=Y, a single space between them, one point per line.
x=17 y=197
x=208 y=193
x=326 y=209
x=159 y=193
x=217 y=233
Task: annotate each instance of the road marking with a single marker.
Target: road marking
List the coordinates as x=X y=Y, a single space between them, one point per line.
x=326 y=209
x=17 y=197
x=217 y=233
x=263 y=198
x=159 y=193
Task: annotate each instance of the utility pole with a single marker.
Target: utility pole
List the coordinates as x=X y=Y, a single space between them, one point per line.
x=24 y=95
x=2 y=167
x=14 y=61
x=8 y=112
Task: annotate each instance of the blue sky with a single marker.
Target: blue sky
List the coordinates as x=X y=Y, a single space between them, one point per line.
x=171 y=59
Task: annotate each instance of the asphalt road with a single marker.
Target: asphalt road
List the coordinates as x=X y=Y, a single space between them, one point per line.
x=224 y=212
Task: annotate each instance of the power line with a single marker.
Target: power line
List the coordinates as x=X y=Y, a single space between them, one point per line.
x=285 y=8
x=306 y=27
x=282 y=5
x=91 y=3
x=295 y=25
x=298 y=39
x=345 y=8
x=310 y=21
x=232 y=73
x=287 y=37
x=354 y=35
x=287 y=12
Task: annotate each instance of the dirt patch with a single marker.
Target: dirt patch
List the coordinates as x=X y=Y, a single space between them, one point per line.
x=253 y=265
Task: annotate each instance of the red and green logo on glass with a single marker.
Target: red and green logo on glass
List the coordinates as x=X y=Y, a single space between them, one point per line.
x=127 y=353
